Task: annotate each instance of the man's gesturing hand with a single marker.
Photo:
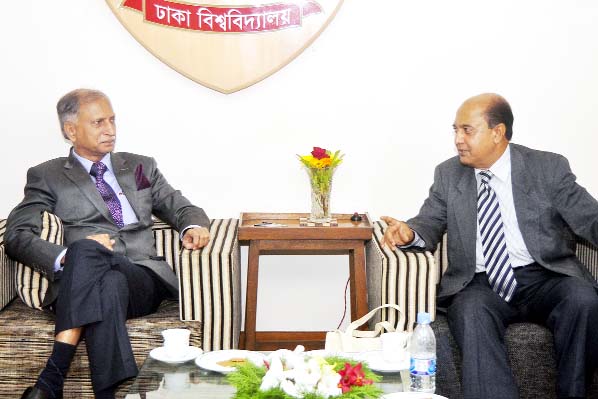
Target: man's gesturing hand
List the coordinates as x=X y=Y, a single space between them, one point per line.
x=196 y=237
x=397 y=233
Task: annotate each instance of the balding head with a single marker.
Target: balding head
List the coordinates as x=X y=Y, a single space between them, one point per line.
x=496 y=110
x=480 y=127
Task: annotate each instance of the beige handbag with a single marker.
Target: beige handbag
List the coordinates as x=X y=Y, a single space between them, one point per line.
x=353 y=340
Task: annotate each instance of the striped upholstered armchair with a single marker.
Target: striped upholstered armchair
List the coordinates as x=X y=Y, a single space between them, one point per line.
x=409 y=279
x=209 y=305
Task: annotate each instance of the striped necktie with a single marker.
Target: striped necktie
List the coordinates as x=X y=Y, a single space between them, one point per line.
x=494 y=246
x=108 y=195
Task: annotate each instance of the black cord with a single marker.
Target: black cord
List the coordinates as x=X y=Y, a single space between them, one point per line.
x=345 y=310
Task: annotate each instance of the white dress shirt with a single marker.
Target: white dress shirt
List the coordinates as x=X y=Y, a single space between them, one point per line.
x=501 y=184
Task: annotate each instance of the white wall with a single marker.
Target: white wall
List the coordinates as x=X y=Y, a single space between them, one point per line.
x=382 y=84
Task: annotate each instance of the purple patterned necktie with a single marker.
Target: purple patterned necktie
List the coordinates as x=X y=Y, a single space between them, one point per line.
x=107 y=193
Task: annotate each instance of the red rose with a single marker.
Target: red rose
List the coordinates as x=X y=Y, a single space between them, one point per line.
x=319 y=153
x=352 y=376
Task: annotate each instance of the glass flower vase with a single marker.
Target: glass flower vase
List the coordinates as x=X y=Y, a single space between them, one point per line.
x=321 y=186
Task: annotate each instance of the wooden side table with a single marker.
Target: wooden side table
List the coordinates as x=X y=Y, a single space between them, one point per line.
x=347 y=237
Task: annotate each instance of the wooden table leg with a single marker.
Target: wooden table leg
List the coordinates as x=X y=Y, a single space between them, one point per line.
x=359 y=302
x=251 y=294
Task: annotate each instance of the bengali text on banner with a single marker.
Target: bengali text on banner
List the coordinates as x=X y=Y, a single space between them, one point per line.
x=264 y=18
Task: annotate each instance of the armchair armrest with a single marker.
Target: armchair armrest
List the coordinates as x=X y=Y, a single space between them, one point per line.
x=403 y=277
x=7 y=272
x=210 y=286
x=209 y=281
x=588 y=255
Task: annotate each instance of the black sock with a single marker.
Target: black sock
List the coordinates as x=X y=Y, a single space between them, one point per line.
x=52 y=377
x=107 y=393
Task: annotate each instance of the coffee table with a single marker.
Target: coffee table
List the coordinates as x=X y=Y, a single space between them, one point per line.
x=186 y=380
x=291 y=237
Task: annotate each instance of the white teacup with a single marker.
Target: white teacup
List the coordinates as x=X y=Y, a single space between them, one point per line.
x=176 y=381
x=395 y=347
x=176 y=342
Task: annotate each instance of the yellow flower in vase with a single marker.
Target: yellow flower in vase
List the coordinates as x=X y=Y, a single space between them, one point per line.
x=320 y=166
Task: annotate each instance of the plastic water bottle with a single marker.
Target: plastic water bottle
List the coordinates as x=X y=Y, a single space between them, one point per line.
x=423 y=356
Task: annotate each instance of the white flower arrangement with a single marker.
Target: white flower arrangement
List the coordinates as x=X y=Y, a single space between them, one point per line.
x=288 y=374
x=298 y=374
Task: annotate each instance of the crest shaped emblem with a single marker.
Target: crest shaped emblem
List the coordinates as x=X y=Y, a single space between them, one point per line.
x=225 y=45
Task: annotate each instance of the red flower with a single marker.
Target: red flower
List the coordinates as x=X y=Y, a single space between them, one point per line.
x=319 y=153
x=352 y=376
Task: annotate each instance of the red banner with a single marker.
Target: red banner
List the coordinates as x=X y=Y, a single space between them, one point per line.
x=265 y=18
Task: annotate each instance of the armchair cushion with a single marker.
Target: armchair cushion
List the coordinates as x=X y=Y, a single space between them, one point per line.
x=31 y=285
x=7 y=272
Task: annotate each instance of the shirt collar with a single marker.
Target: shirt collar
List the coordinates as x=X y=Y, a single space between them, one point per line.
x=502 y=167
x=86 y=163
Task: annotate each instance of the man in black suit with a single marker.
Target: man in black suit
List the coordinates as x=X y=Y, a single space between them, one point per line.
x=107 y=271
x=510 y=213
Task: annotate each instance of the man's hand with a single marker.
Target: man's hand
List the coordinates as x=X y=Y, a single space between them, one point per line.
x=397 y=233
x=196 y=237
x=103 y=239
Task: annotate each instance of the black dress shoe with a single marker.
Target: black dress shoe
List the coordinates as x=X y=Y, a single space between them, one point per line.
x=36 y=393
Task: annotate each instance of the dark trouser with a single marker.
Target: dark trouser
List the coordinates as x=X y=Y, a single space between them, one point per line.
x=100 y=290
x=478 y=318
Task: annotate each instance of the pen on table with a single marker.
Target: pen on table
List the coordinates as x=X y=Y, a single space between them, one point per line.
x=269 y=224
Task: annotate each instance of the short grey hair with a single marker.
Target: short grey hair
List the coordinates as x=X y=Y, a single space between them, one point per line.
x=68 y=106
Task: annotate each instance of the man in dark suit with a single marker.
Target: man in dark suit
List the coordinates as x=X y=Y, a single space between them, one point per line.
x=510 y=213
x=107 y=271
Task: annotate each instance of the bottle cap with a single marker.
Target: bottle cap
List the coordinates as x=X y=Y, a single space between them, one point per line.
x=423 y=318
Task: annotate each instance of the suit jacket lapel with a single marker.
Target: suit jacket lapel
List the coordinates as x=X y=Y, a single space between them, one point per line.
x=466 y=213
x=525 y=198
x=75 y=172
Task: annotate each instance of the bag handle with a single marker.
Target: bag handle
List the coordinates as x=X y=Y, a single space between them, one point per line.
x=378 y=328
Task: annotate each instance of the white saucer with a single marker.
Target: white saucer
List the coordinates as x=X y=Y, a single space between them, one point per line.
x=376 y=362
x=163 y=356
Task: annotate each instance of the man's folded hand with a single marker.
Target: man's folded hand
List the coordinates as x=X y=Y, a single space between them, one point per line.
x=196 y=238
x=103 y=239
